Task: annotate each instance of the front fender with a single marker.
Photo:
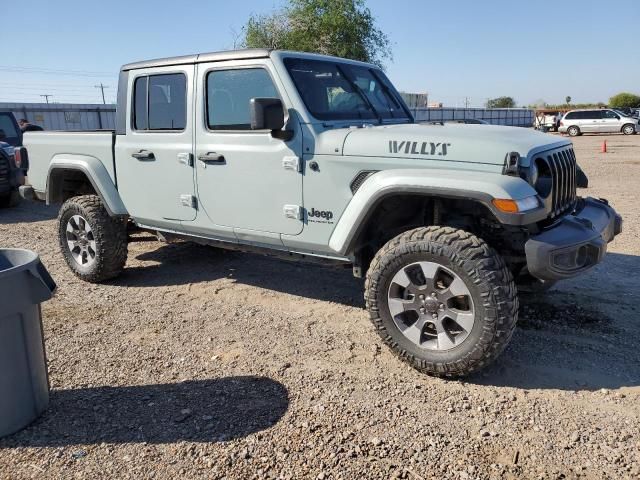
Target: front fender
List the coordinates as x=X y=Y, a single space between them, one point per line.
x=478 y=186
x=97 y=174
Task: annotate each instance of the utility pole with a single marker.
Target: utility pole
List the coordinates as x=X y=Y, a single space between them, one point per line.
x=102 y=87
x=466 y=102
x=46 y=97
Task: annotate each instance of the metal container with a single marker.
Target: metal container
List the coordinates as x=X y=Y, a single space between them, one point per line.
x=24 y=383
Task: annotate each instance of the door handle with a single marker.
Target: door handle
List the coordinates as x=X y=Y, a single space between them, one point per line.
x=143 y=155
x=212 y=158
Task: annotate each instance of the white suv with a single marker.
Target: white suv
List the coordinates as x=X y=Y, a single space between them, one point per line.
x=577 y=122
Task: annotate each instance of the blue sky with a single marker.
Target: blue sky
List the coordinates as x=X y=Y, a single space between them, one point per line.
x=527 y=49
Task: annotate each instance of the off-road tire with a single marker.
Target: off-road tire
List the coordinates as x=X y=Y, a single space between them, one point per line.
x=485 y=274
x=11 y=199
x=573 y=131
x=110 y=234
x=628 y=129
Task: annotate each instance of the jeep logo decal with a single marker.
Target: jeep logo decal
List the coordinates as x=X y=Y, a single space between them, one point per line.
x=320 y=216
x=418 y=148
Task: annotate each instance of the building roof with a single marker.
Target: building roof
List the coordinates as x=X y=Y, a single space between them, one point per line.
x=200 y=57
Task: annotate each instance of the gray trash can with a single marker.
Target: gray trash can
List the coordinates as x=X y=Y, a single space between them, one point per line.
x=24 y=383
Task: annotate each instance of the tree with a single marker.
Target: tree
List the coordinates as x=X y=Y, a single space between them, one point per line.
x=344 y=28
x=567 y=100
x=625 y=100
x=501 y=102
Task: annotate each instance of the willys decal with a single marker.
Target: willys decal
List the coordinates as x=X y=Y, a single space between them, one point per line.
x=418 y=148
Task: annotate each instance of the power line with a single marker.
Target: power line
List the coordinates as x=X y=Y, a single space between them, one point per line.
x=48 y=86
x=51 y=71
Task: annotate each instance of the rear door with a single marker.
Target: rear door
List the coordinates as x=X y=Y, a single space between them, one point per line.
x=246 y=179
x=154 y=159
x=590 y=121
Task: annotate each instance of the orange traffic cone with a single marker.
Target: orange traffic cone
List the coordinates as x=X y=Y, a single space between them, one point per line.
x=604 y=147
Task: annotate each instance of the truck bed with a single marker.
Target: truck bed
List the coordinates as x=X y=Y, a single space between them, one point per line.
x=44 y=146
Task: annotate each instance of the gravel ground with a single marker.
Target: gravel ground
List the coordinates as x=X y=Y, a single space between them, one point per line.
x=199 y=363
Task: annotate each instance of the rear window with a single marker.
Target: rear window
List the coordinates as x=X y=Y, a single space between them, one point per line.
x=8 y=127
x=160 y=102
x=585 y=115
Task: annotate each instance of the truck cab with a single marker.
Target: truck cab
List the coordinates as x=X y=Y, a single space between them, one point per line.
x=311 y=156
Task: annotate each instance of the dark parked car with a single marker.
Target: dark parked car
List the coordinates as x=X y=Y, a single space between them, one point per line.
x=13 y=160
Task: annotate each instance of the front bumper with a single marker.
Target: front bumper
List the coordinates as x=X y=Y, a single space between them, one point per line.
x=574 y=244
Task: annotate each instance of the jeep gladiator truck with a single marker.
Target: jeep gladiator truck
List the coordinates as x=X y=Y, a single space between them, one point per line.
x=318 y=157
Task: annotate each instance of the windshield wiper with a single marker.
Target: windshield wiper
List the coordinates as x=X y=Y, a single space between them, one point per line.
x=359 y=91
x=390 y=94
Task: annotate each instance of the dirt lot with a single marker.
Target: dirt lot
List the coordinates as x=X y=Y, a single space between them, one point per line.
x=199 y=363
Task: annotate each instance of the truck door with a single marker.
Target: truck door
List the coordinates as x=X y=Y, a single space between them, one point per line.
x=246 y=179
x=154 y=160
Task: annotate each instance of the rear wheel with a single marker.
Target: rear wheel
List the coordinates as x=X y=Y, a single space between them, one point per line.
x=10 y=199
x=93 y=243
x=573 y=131
x=442 y=300
x=628 y=129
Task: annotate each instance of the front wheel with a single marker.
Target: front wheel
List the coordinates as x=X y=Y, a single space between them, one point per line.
x=628 y=129
x=442 y=300
x=93 y=243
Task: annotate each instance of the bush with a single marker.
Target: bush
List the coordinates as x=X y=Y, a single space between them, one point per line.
x=625 y=100
x=501 y=102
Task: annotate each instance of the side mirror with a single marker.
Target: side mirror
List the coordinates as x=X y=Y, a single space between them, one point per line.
x=2 y=135
x=266 y=114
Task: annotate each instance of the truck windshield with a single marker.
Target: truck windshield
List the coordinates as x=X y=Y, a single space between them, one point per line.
x=342 y=91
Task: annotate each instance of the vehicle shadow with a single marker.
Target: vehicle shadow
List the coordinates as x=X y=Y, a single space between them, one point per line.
x=27 y=212
x=580 y=335
x=187 y=263
x=197 y=411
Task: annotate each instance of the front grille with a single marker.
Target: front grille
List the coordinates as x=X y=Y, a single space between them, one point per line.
x=4 y=170
x=557 y=180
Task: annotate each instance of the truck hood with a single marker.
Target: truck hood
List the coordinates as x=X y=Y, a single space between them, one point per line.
x=486 y=144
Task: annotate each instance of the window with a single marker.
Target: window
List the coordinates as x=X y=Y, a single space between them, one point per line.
x=610 y=115
x=8 y=127
x=229 y=93
x=140 y=116
x=160 y=102
x=592 y=115
x=342 y=91
x=571 y=116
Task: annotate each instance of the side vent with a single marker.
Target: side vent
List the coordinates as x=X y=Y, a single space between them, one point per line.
x=359 y=179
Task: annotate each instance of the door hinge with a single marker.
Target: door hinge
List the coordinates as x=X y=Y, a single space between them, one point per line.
x=292 y=163
x=188 y=201
x=293 y=211
x=185 y=159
